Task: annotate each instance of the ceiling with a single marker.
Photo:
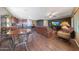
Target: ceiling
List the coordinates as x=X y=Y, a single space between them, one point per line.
x=36 y=13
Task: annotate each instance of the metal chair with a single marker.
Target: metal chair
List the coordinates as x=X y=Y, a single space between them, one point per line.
x=5 y=38
x=24 y=38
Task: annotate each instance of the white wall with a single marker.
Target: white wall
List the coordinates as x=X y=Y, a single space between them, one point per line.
x=34 y=22
x=75 y=24
x=75 y=21
x=45 y=23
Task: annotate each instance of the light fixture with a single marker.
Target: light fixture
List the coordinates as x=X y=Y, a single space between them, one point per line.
x=53 y=14
x=29 y=17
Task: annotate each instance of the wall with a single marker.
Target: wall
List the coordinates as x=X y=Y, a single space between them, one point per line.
x=45 y=22
x=75 y=23
x=34 y=22
x=68 y=19
x=75 y=20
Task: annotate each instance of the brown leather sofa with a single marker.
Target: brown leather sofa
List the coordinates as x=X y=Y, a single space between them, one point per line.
x=44 y=31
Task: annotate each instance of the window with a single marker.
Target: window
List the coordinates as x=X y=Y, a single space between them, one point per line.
x=39 y=22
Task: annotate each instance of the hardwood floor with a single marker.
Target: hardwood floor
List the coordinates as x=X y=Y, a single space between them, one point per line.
x=41 y=43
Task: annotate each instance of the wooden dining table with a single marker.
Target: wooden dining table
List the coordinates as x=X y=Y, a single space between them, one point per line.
x=15 y=34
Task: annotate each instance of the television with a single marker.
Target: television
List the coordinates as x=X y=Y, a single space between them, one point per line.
x=55 y=23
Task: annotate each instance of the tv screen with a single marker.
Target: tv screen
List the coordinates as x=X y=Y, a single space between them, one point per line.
x=55 y=23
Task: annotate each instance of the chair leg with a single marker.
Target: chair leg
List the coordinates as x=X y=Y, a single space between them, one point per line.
x=12 y=45
x=27 y=41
